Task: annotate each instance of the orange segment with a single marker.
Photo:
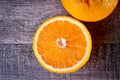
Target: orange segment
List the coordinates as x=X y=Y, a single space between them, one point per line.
x=62 y=44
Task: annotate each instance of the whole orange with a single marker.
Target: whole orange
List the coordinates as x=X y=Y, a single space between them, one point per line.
x=90 y=10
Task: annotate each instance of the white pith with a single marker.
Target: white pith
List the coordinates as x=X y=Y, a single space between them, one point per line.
x=61 y=42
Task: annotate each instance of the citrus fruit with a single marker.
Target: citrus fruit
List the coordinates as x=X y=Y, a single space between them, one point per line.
x=90 y=10
x=62 y=44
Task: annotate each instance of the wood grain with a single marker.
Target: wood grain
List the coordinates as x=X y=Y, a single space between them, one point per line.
x=19 y=20
x=17 y=62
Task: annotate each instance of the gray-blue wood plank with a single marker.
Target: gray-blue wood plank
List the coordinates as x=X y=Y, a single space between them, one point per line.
x=20 y=18
x=18 y=21
x=17 y=62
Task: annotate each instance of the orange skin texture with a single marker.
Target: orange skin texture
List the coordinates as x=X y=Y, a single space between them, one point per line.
x=90 y=10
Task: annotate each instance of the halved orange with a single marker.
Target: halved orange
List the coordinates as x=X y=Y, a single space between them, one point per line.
x=62 y=44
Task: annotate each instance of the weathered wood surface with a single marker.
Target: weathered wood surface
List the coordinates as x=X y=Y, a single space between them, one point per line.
x=18 y=21
x=17 y=62
x=20 y=18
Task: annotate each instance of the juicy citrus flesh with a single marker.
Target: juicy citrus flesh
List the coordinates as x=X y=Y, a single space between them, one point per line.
x=56 y=56
x=90 y=10
x=62 y=44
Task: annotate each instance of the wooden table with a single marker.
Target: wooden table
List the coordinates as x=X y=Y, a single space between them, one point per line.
x=19 y=19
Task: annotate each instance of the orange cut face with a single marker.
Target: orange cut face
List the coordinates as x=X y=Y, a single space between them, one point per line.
x=62 y=44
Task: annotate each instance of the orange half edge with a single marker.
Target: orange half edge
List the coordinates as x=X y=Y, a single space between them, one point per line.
x=64 y=54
